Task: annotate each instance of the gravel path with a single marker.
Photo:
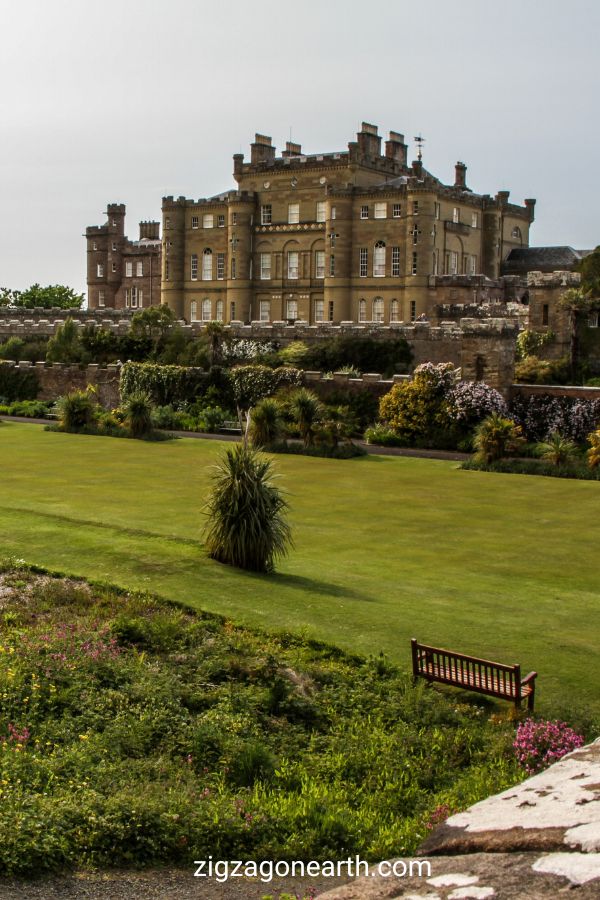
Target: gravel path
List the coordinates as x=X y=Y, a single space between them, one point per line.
x=155 y=884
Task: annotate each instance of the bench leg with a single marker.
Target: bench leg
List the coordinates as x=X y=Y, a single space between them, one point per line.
x=531 y=698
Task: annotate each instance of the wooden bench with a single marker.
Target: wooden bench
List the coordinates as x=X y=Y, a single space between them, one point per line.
x=473 y=674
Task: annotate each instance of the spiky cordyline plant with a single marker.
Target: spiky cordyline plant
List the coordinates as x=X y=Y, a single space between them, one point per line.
x=138 y=415
x=265 y=422
x=557 y=449
x=246 y=513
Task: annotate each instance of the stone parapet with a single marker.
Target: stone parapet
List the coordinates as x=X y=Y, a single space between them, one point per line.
x=553 y=279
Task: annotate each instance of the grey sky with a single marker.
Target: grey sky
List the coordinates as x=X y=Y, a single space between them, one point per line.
x=127 y=101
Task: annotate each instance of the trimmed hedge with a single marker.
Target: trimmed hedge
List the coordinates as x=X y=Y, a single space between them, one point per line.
x=18 y=384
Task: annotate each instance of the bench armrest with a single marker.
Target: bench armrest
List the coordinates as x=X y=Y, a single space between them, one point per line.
x=531 y=677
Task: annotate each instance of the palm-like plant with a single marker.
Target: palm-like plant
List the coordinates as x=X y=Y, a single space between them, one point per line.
x=557 y=450
x=496 y=437
x=246 y=524
x=77 y=409
x=265 y=423
x=138 y=415
x=306 y=410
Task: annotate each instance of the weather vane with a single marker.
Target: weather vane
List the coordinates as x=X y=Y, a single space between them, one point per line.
x=419 y=141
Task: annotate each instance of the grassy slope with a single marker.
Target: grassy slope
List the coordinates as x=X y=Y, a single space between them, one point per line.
x=498 y=565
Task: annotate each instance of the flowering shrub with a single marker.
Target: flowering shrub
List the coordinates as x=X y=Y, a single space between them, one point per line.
x=540 y=416
x=539 y=744
x=472 y=401
x=416 y=410
x=593 y=454
x=243 y=350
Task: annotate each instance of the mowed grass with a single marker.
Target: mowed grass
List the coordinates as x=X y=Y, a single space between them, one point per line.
x=501 y=566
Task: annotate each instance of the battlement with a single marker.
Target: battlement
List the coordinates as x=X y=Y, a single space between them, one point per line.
x=553 y=279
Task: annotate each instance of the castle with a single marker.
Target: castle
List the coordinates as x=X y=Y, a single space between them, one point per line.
x=358 y=236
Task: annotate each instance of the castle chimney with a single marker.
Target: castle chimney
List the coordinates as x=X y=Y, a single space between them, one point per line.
x=530 y=204
x=502 y=197
x=460 y=175
x=149 y=230
x=238 y=165
x=417 y=167
x=369 y=142
x=261 y=150
x=292 y=149
x=395 y=148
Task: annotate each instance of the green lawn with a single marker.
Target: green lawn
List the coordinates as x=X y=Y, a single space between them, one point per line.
x=500 y=566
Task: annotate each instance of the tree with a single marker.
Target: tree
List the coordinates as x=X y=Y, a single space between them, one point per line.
x=590 y=272
x=577 y=302
x=65 y=346
x=246 y=524
x=153 y=324
x=557 y=450
x=53 y=296
x=306 y=410
x=214 y=331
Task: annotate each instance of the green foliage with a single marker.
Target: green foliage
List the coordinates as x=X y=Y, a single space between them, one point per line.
x=363 y=405
x=593 y=454
x=529 y=343
x=294 y=355
x=496 y=437
x=138 y=415
x=415 y=410
x=29 y=409
x=152 y=323
x=557 y=450
x=534 y=467
x=365 y=354
x=77 y=410
x=65 y=346
x=383 y=435
x=163 y=384
x=18 y=384
x=590 y=273
x=54 y=296
x=250 y=384
x=139 y=731
x=265 y=423
x=532 y=370
x=246 y=524
x=307 y=411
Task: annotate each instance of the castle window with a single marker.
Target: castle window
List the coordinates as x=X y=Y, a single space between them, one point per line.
x=207 y=265
x=265 y=311
x=437 y=210
x=330 y=311
x=378 y=309
x=292 y=267
x=333 y=212
x=319 y=310
x=415 y=263
x=364 y=212
x=167 y=273
x=320 y=264
x=396 y=211
x=195 y=221
x=380 y=211
x=472 y=265
x=395 y=261
x=220 y=221
x=332 y=238
x=234 y=218
x=208 y=221
x=456 y=215
x=140 y=297
x=167 y=222
x=394 y=311
x=379 y=260
x=194 y=267
x=321 y=211
x=291 y=309
x=266 y=214
x=545 y=314
x=362 y=310
x=114 y=245
x=220 y=266
x=219 y=311
x=232 y=311
x=265 y=266
x=363 y=262
x=474 y=220
x=233 y=268
x=95 y=245
x=415 y=207
x=100 y=270
x=128 y=269
x=516 y=233
x=113 y=267
x=139 y=269
x=332 y=265
x=413 y=310
x=293 y=213
x=194 y=311
x=126 y=296
x=206 y=310
x=435 y=261
x=134 y=297
x=101 y=298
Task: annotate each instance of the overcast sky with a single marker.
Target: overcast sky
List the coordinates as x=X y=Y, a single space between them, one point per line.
x=128 y=101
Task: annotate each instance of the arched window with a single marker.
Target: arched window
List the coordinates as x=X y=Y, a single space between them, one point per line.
x=207 y=265
x=516 y=233
x=206 y=310
x=362 y=310
x=394 y=311
x=379 y=260
x=378 y=309
x=219 y=311
x=194 y=311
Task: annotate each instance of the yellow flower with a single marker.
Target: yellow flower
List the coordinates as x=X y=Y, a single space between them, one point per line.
x=84 y=737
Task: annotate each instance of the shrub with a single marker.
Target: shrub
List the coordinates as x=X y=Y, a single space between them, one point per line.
x=246 y=513
x=469 y=402
x=539 y=744
x=138 y=415
x=211 y=418
x=381 y=434
x=416 y=410
x=495 y=438
x=77 y=409
x=252 y=383
x=364 y=353
x=18 y=384
x=593 y=454
x=163 y=384
x=557 y=450
x=265 y=422
x=541 y=415
x=65 y=346
x=540 y=371
x=306 y=410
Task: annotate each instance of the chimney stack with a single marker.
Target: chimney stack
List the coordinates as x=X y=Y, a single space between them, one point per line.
x=395 y=148
x=460 y=175
x=292 y=149
x=417 y=167
x=149 y=230
x=530 y=204
x=261 y=150
x=369 y=142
